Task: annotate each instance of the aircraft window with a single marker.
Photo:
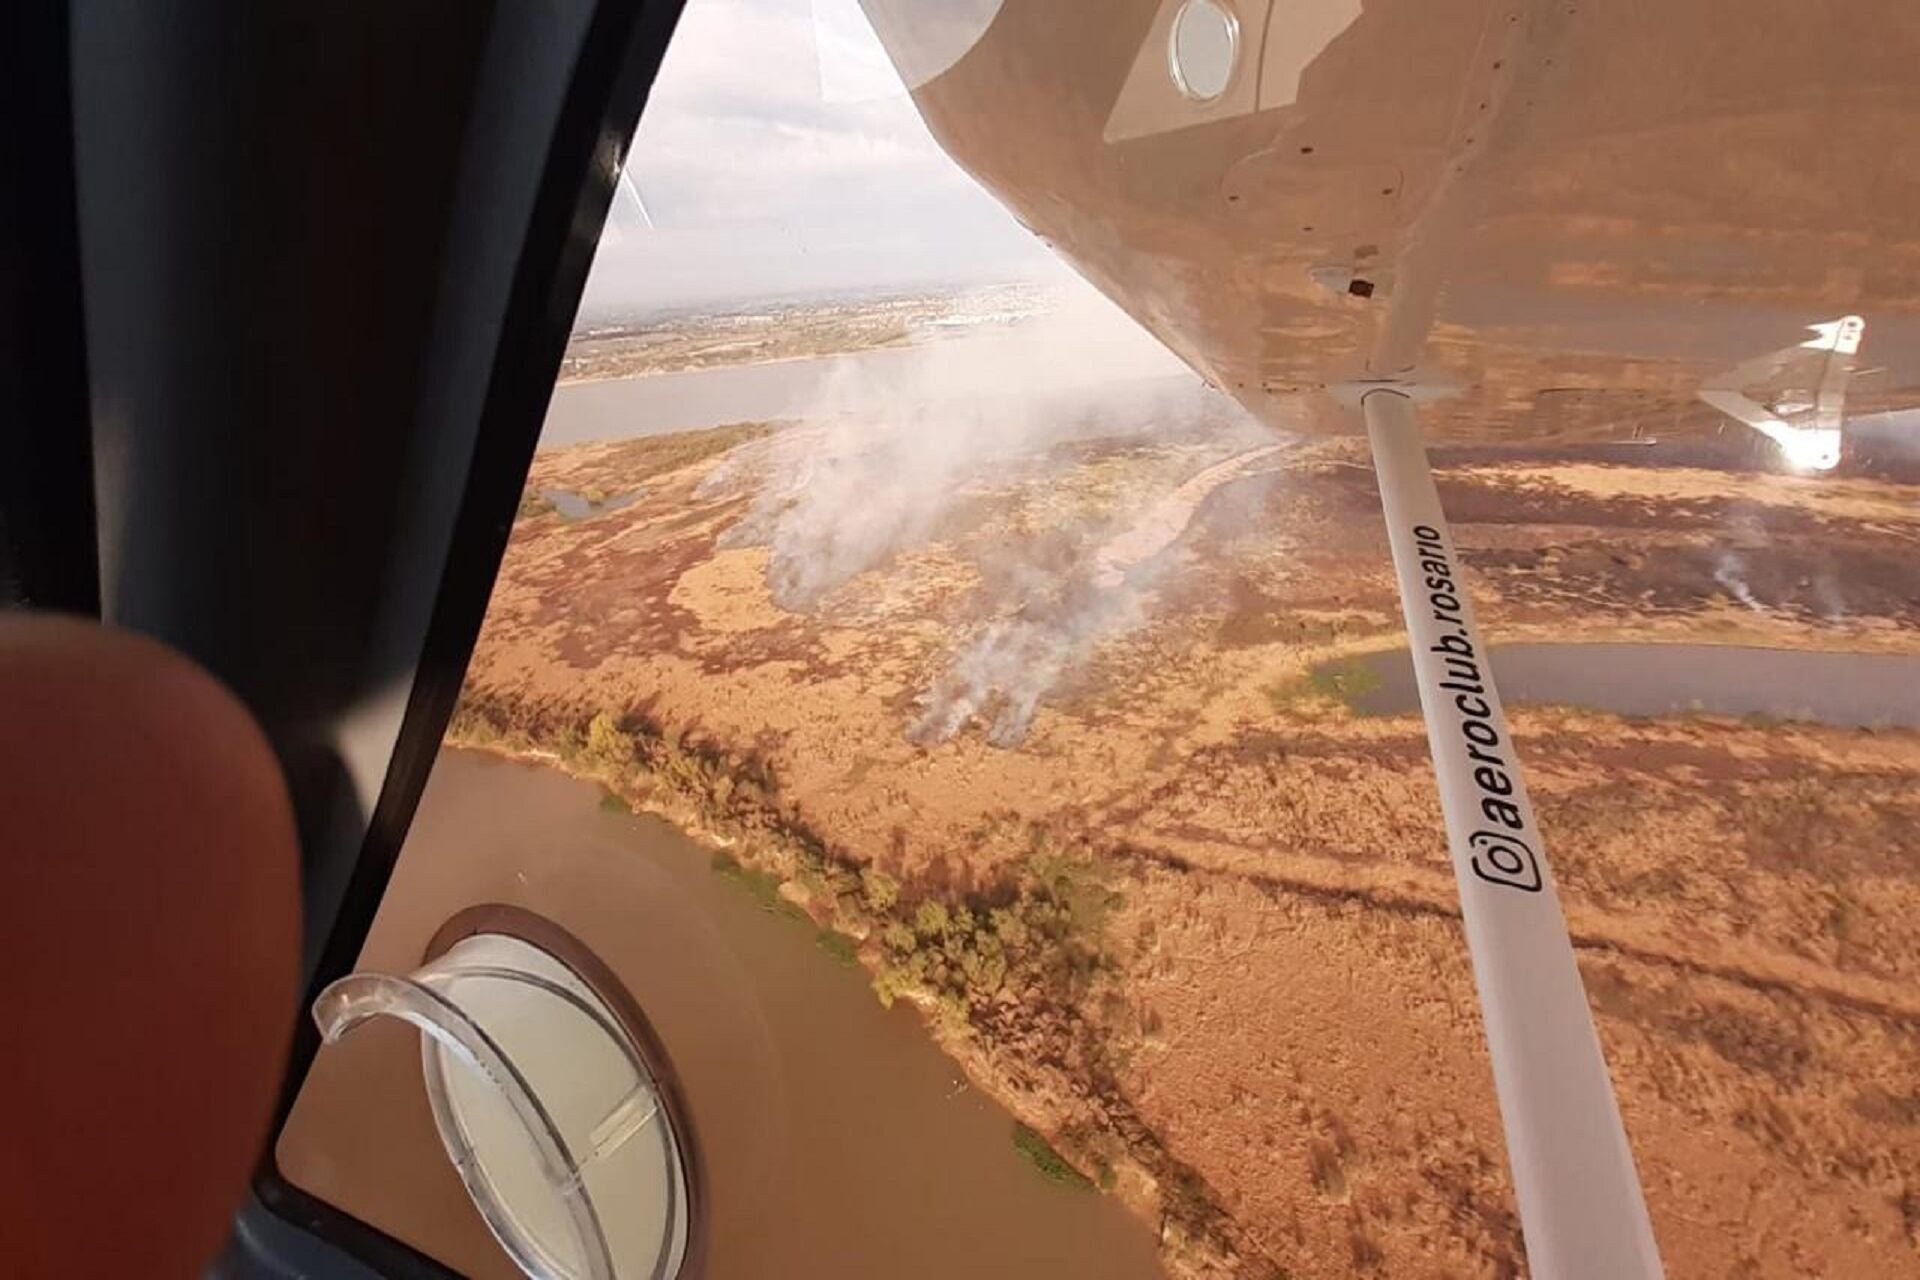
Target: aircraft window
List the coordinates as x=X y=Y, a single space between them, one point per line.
x=780 y=389
x=987 y=746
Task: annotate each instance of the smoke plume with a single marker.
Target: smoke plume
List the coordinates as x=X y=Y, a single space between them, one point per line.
x=965 y=421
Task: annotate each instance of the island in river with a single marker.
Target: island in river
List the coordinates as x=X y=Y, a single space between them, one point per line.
x=1067 y=727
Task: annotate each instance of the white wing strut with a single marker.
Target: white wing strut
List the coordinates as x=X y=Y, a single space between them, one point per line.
x=1580 y=1201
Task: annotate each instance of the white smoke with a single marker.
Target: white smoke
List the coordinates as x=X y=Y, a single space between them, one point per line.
x=1730 y=571
x=1745 y=531
x=1827 y=592
x=1011 y=662
x=1003 y=672
x=971 y=418
x=895 y=439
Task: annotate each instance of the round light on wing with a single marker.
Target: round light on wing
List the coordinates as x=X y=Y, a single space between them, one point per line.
x=1203 y=49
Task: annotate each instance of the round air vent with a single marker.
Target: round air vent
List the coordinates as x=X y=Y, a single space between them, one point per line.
x=553 y=1099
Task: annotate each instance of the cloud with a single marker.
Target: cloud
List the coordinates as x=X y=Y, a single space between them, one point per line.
x=757 y=185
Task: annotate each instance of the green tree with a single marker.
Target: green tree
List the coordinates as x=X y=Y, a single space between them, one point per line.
x=879 y=890
x=608 y=745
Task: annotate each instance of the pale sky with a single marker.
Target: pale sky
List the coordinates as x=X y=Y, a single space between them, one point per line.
x=761 y=185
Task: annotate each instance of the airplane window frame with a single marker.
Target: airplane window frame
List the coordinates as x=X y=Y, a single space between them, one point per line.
x=619 y=58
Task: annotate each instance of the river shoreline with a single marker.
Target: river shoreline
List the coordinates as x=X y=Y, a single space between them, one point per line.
x=1094 y=1131
x=687 y=819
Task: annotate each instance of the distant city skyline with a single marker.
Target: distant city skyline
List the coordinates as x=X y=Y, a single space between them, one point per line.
x=762 y=179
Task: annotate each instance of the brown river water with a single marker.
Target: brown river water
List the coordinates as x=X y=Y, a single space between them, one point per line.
x=1093 y=373
x=838 y=1139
